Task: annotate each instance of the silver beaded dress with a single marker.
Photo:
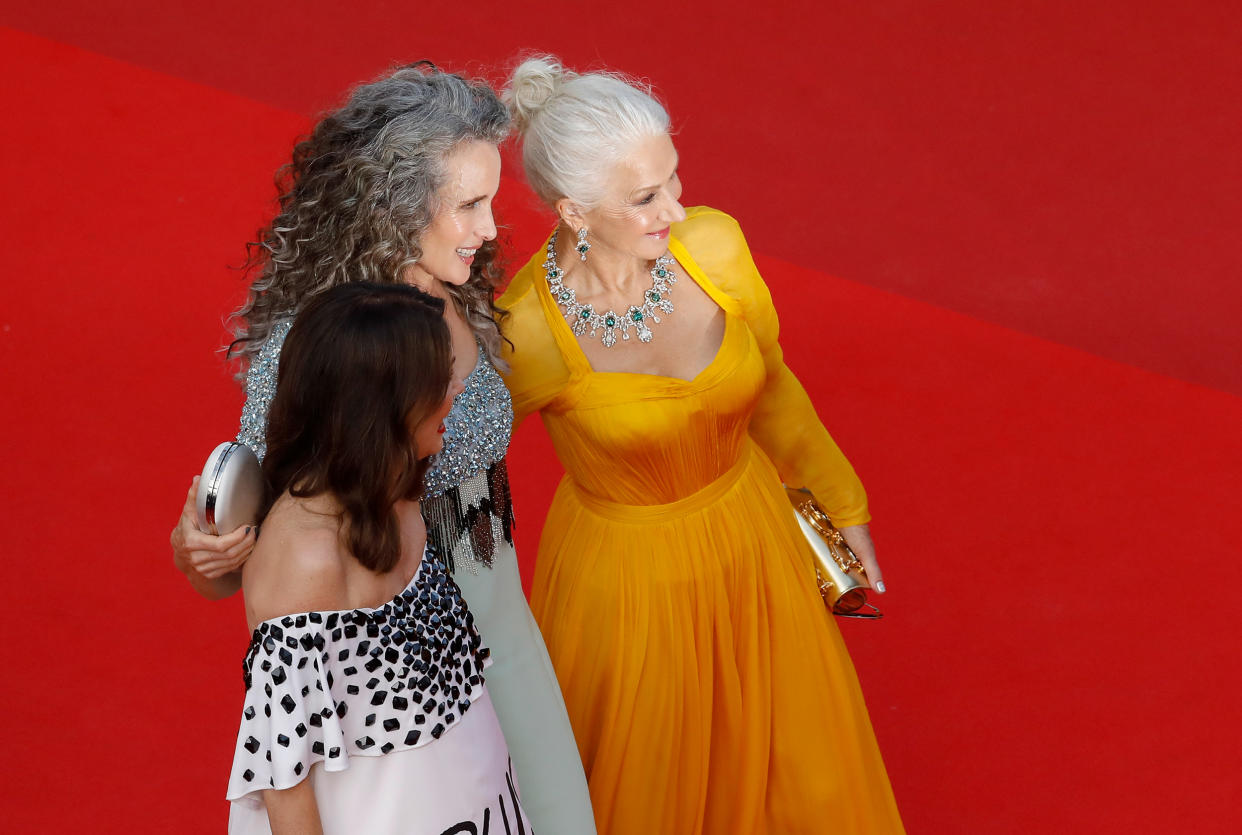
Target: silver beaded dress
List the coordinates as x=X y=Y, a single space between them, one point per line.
x=469 y=518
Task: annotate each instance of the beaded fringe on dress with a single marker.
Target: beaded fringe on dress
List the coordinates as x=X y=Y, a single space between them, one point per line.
x=467 y=511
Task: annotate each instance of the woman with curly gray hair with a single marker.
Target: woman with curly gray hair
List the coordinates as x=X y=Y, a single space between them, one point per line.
x=396 y=187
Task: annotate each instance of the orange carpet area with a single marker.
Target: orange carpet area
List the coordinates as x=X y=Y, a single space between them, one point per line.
x=1004 y=241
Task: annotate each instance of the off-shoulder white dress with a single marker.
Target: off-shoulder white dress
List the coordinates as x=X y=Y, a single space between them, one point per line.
x=384 y=710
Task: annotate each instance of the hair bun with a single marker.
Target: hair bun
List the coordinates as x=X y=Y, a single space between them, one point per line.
x=532 y=85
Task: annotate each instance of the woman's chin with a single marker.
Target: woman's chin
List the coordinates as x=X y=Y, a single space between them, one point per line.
x=423 y=279
x=651 y=248
x=457 y=278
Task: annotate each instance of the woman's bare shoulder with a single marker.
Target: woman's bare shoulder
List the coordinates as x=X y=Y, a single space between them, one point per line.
x=299 y=562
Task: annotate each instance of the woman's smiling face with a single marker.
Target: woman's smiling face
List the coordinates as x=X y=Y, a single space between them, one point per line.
x=463 y=220
x=641 y=200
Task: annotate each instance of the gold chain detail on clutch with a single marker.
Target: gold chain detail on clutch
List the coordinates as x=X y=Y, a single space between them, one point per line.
x=837 y=545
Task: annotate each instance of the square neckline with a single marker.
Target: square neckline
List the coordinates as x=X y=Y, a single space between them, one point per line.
x=576 y=357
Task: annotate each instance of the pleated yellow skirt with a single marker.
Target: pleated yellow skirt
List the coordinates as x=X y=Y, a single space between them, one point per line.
x=708 y=687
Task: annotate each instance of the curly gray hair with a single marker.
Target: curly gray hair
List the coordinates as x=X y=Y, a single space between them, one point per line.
x=359 y=193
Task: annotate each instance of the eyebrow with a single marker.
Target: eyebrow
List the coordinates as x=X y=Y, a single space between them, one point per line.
x=653 y=188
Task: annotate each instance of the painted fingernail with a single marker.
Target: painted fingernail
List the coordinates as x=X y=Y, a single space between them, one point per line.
x=247 y=531
x=879 y=586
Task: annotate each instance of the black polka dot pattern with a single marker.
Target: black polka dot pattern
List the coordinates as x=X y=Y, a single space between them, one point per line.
x=322 y=686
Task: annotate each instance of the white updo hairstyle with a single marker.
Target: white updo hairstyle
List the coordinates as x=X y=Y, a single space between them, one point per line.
x=575 y=128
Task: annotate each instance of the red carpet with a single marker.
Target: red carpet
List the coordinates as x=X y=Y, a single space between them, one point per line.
x=1069 y=170
x=1059 y=531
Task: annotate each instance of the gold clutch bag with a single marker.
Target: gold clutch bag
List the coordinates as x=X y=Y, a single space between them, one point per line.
x=838 y=572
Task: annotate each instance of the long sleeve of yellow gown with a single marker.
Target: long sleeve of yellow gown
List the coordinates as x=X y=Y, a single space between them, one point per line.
x=785 y=423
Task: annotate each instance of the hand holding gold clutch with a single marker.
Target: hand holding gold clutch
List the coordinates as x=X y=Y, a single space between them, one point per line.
x=838 y=571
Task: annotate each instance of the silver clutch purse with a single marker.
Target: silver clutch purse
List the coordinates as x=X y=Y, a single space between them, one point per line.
x=231 y=489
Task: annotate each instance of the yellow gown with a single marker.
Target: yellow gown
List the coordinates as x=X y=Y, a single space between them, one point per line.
x=708 y=688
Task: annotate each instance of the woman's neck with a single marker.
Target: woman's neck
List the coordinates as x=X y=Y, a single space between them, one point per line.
x=422 y=280
x=606 y=272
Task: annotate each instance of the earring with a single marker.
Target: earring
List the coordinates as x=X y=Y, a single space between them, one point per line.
x=582 y=246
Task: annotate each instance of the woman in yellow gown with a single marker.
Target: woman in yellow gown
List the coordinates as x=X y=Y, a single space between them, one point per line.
x=708 y=687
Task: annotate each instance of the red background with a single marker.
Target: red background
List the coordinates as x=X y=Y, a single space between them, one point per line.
x=1004 y=241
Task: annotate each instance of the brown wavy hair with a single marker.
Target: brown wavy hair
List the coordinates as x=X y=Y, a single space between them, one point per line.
x=358 y=195
x=363 y=365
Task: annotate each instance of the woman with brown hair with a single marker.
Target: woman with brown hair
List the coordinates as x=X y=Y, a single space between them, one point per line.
x=365 y=707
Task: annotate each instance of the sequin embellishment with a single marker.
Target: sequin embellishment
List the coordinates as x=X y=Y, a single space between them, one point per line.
x=477 y=429
x=261 y=388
